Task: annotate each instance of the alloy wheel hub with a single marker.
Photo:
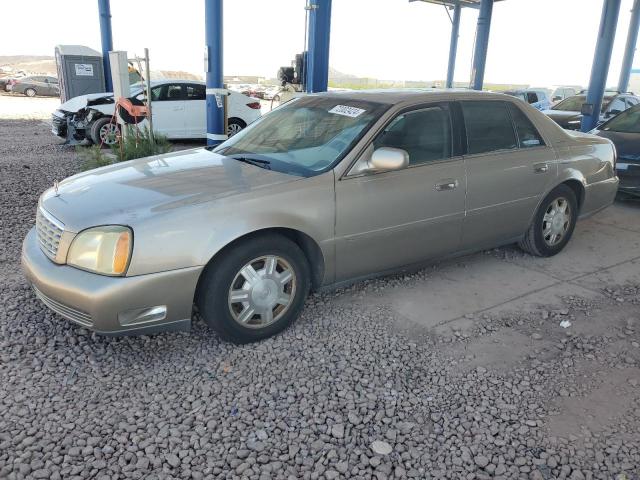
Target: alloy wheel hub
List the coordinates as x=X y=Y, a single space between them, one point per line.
x=262 y=291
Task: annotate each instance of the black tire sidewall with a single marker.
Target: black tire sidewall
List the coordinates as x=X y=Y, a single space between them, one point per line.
x=542 y=246
x=212 y=295
x=236 y=121
x=95 y=127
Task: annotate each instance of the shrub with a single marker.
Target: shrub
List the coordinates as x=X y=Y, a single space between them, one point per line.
x=137 y=143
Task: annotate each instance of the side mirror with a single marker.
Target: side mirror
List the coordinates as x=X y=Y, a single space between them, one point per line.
x=614 y=112
x=587 y=109
x=388 y=158
x=556 y=98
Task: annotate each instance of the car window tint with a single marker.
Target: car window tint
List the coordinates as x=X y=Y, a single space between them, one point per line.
x=528 y=136
x=617 y=104
x=627 y=122
x=424 y=134
x=174 y=92
x=489 y=126
x=196 y=92
x=157 y=93
x=532 y=97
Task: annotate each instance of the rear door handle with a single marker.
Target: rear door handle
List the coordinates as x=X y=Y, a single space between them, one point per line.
x=541 y=168
x=448 y=184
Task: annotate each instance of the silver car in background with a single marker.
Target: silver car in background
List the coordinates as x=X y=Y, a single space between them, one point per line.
x=322 y=191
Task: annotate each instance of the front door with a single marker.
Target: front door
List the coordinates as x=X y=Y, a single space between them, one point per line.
x=385 y=220
x=509 y=167
x=167 y=109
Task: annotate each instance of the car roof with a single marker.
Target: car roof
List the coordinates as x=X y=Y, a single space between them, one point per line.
x=394 y=96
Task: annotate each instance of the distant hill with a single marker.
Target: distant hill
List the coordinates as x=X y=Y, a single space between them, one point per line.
x=31 y=64
x=46 y=65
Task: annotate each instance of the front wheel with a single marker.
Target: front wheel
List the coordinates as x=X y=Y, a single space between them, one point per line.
x=254 y=289
x=553 y=223
x=104 y=132
x=30 y=92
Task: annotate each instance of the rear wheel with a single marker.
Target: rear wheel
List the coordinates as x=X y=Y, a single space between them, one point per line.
x=234 y=125
x=255 y=289
x=103 y=131
x=30 y=92
x=553 y=223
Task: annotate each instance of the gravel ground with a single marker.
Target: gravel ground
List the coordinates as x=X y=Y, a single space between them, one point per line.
x=351 y=391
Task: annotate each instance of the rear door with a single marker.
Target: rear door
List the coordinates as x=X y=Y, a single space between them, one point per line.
x=167 y=107
x=385 y=220
x=195 y=110
x=509 y=167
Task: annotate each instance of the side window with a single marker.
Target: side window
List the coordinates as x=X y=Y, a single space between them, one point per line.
x=425 y=134
x=196 y=92
x=166 y=93
x=158 y=93
x=532 y=97
x=174 y=92
x=617 y=104
x=489 y=126
x=528 y=136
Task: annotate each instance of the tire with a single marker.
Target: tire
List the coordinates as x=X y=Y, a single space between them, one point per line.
x=234 y=125
x=551 y=229
x=244 y=316
x=30 y=92
x=98 y=130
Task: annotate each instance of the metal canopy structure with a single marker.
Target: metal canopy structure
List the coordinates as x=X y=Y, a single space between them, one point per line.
x=318 y=38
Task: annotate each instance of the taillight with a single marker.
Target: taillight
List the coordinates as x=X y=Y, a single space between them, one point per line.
x=254 y=105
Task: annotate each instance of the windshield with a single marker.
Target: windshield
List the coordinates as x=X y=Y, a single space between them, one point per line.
x=305 y=136
x=626 y=122
x=574 y=104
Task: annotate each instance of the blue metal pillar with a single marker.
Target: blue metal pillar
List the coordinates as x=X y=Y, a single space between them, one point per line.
x=630 y=48
x=317 y=68
x=600 y=66
x=215 y=85
x=453 y=46
x=104 y=9
x=482 y=44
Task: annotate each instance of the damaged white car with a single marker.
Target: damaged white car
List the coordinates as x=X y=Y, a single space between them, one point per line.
x=178 y=109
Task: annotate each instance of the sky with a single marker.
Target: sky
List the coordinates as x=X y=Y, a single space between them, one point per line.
x=535 y=42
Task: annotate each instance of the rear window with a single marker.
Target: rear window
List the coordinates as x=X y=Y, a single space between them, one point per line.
x=528 y=135
x=489 y=127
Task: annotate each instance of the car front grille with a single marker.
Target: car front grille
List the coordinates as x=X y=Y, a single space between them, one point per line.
x=49 y=231
x=77 y=316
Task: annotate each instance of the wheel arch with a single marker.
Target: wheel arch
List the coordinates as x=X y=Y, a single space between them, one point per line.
x=308 y=245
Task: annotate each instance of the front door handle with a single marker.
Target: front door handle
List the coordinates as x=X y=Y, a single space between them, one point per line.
x=541 y=168
x=448 y=184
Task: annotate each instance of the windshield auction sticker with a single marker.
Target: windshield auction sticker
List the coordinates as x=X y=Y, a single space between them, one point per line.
x=347 y=111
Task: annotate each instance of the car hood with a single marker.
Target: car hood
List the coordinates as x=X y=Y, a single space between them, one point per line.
x=627 y=144
x=130 y=192
x=81 y=101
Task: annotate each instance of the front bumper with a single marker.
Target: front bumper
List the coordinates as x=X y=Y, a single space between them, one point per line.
x=107 y=304
x=59 y=125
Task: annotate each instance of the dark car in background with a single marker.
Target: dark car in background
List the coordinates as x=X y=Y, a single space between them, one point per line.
x=567 y=112
x=37 y=85
x=624 y=132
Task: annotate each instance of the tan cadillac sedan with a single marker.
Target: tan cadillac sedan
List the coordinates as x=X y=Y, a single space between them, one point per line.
x=324 y=190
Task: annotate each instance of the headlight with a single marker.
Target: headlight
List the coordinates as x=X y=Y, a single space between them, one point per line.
x=105 y=250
